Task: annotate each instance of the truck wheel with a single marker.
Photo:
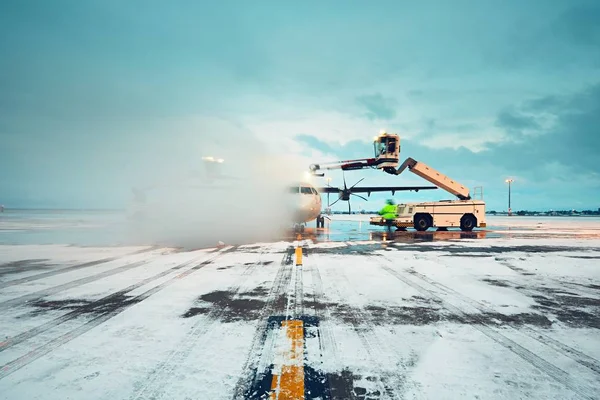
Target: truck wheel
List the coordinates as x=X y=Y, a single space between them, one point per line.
x=468 y=222
x=422 y=222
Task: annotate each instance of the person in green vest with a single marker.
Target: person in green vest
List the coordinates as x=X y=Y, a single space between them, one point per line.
x=388 y=212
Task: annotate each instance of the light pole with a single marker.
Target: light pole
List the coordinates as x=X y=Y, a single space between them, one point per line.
x=328 y=209
x=509 y=181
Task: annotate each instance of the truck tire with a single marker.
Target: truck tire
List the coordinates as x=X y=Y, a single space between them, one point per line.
x=422 y=222
x=468 y=222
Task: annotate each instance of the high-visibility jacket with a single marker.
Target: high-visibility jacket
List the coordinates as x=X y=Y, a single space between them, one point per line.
x=388 y=211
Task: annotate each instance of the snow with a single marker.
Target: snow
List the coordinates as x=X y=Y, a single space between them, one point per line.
x=278 y=246
x=360 y=283
x=154 y=265
x=546 y=223
x=63 y=254
x=48 y=283
x=567 y=243
x=490 y=318
x=464 y=364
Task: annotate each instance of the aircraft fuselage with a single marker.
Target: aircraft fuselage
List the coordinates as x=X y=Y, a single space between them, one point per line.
x=306 y=203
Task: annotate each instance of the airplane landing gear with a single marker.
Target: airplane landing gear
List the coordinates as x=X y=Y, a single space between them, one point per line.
x=320 y=222
x=298 y=228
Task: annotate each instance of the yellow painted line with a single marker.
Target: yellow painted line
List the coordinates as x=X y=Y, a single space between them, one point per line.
x=299 y=250
x=298 y=255
x=289 y=385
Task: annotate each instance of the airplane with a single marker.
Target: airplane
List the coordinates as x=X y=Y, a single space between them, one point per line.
x=308 y=203
x=305 y=205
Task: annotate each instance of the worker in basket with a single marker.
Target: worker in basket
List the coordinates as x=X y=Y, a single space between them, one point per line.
x=388 y=212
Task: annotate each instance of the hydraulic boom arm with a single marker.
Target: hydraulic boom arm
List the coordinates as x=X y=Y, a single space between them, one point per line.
x=433 y=176
x=387 y=155
x=346 y=165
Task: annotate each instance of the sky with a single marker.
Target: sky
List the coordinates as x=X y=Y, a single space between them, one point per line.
x=100 y=96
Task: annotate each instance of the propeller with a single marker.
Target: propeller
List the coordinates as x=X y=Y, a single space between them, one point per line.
x=346 y=193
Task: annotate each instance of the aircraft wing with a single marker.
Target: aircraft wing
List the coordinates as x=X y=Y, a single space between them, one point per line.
x=330 y=189
x=372 y=189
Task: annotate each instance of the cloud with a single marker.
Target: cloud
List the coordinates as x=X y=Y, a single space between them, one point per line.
x=378 y=107
x=331 y=126
x=316 y=144
x=572 y=141
x=551 y=103
x=579 y=25
x=115 y=93
x=554 y=168
x=515 y=122
x=564 y=40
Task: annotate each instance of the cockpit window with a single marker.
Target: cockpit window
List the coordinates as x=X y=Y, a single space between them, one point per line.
x=302 y=189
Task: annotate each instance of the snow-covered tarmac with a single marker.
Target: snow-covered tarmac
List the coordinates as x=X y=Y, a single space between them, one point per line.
x=508 y=314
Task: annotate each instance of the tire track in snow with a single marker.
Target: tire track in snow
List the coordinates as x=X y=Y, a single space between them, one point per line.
x=548 y=368
x=88 y=308
x=288 y=378
x=78 y=282
x=155 y=383
x=69 y=269
x=533 y=278
x=371 y=342
x=327 y=343
x=40 y=351
x=258 y=353
x=299 y=291
x=574 y=354
x=295 y=291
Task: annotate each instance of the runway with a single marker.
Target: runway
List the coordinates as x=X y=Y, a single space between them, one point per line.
x=352 y=315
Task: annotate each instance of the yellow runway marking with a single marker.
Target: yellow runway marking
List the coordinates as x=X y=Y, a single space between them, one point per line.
x=299 y=251
x=289 y=385
x=298 y=255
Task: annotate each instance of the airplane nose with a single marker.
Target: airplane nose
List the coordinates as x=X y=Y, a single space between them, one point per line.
x=305 y=201
x=303 y=206
x=298 y=202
